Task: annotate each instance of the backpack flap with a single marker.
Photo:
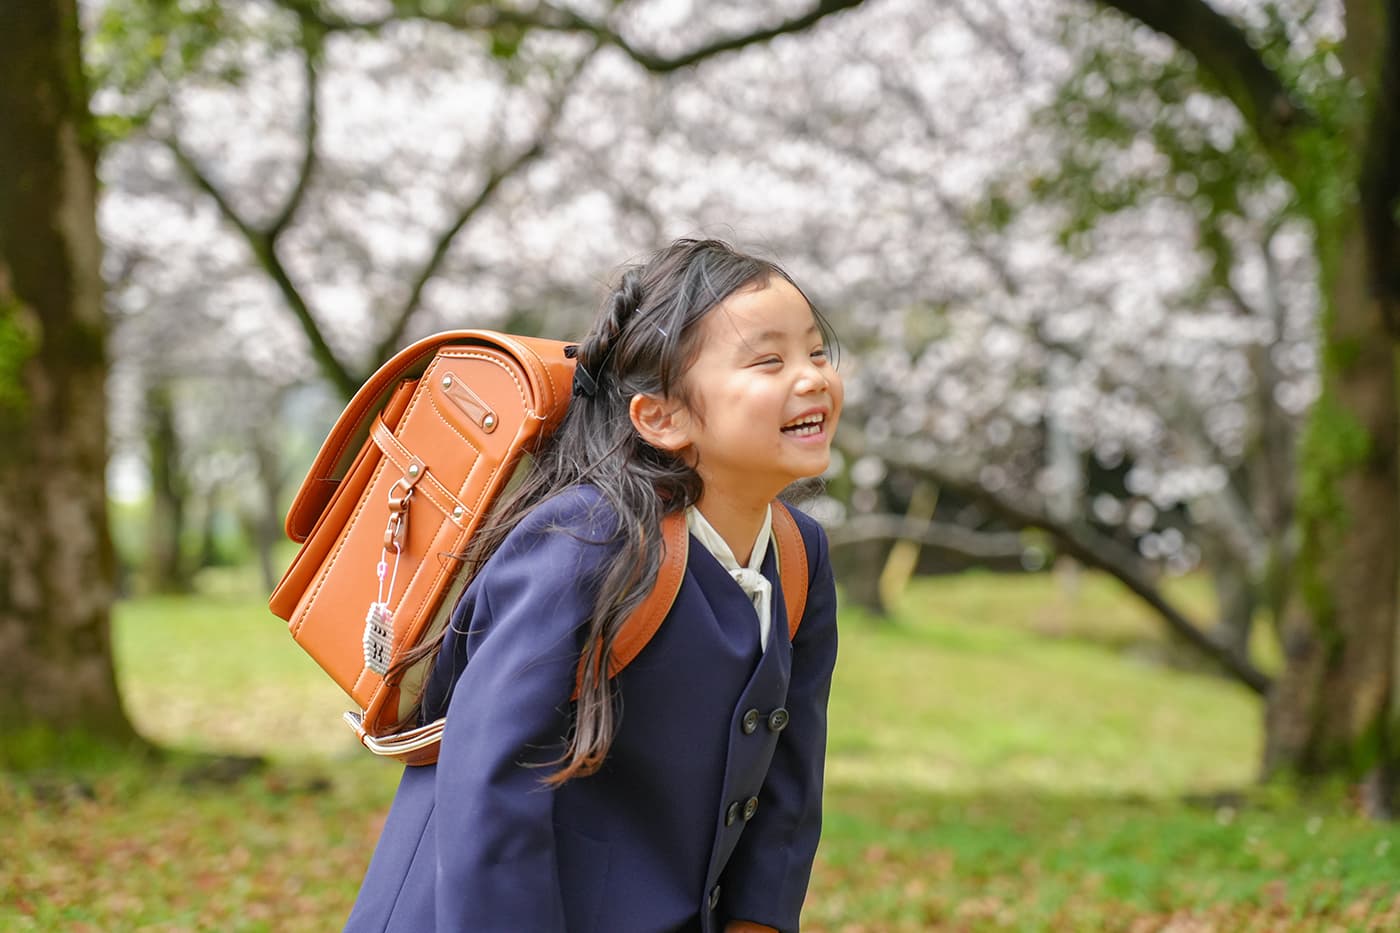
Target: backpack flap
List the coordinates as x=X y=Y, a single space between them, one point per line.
x=335 y=513
x=352 y=428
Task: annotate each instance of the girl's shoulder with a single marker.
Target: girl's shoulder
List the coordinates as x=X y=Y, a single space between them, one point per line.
x=581 y=507
x=807 y=523
x=813 y=534
x=579 y=517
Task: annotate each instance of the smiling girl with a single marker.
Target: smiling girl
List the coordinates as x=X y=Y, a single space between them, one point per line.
x=684 y=794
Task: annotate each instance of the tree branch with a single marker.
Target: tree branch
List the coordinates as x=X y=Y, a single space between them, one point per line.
x=945 y=536
x=1244 y=540
x=1223 y=52
x=443 y=242
x=265 y=253
x=310 y=50
x=1275 y=114
x=994 y=35
x=491 y=17
x=656 y=63
x=1080 y=540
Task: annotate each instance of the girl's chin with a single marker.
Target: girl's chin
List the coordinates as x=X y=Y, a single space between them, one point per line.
x=816 y=469
x=759 y=483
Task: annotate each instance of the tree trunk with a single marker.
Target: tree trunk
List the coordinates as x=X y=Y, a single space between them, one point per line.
x=1329 y=711
x=1234 y=606
x=209 y=529
x=167 y=570
x=858 y=565
x=56 y=673
x=267 y=520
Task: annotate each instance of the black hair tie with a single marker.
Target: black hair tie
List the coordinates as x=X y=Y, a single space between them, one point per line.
x=584 y=383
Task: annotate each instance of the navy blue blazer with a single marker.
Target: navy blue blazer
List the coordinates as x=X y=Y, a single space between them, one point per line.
x=708 y=807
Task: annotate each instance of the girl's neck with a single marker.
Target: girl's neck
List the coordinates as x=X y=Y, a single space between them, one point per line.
x=738 y=522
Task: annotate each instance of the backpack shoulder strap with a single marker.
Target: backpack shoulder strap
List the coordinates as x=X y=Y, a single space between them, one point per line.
x=792 y=565
x=639 y=628
x=646 y=619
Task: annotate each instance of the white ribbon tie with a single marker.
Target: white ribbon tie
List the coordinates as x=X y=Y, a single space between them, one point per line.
x=750 y=579
x=760 y=592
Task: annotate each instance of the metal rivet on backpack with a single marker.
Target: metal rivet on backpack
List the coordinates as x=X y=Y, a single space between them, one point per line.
x=447 y=381
x=489 y=422
x=413 y=469
x=458 y=512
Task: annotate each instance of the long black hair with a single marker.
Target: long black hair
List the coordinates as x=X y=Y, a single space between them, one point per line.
x=643 y=340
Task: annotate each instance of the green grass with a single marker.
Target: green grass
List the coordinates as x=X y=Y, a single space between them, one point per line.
x=1006 y=753
x=221 y=673
x=937 y=701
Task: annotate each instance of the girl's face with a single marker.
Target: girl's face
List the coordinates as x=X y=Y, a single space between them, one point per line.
x=764 y=398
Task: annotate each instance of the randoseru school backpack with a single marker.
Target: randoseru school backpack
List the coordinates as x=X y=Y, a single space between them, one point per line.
x=408 y=472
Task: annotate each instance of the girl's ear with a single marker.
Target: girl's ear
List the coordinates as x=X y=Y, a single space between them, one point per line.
x=662 y=424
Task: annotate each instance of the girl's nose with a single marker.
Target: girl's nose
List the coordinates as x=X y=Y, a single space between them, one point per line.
x=812 y=379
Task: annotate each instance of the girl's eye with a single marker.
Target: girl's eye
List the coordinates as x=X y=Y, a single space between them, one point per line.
x=769 y=361
x=819 y=353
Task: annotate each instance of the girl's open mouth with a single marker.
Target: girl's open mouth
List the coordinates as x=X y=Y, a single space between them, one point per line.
x=806 y=426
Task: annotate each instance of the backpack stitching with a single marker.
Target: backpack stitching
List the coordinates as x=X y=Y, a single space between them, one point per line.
x=339 y=546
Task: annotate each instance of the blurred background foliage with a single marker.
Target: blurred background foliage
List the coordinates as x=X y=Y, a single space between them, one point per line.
x=1115 y=285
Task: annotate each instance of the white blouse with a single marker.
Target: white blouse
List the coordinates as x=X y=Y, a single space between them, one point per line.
x=751 y=579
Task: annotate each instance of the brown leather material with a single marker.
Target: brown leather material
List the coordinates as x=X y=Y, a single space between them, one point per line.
x=419 y=757
x=400 y=461
x=335 y=513
x=544 y=369
x=352 y=428
x=416 y=747
x=404 y=461
x=793 y=574
x=642 y=624
x=460 y=394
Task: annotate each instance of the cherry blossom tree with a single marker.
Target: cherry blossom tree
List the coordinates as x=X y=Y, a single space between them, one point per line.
x=1078 y=256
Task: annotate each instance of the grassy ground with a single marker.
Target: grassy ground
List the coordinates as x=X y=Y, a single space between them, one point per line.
x=1006 y=754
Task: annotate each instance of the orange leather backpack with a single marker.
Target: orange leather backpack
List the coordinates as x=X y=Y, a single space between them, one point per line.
x=409 y=471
